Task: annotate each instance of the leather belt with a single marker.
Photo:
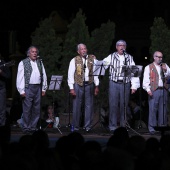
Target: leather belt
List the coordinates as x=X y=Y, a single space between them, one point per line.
x=119 y=81
x=86 y=82
x=160 y=87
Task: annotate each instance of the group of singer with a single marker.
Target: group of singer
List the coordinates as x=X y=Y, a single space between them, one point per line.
x=31 y=83
x=83 y=87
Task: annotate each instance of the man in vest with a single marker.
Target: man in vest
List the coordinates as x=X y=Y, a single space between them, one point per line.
x=83 y=86
x=31 y=84
x=120 y=85
x=154 y=83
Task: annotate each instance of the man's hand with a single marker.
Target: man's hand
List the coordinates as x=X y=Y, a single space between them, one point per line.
x=133 y=91
x=72 y=92
x=23 y=95
x=149 y=93
x=94 y=56
x=43 y=93
x=164 y=68
x=96 y=90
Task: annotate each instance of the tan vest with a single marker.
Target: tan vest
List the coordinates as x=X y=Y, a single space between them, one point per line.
x=154 y=78
x=79 y=73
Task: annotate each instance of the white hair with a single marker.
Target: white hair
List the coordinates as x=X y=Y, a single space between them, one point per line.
x=121 y=42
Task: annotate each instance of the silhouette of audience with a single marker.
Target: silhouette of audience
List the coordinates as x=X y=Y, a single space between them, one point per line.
x=72 y=151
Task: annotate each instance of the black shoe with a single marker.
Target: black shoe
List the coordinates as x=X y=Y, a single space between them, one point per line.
x=27 y=132
x=87 y=130
x=112 y=131
x=154 y=132
x=76 y=129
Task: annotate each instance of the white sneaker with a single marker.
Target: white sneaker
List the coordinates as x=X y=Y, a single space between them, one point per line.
x=55 y=125
x=19 y=121
x=49 y=121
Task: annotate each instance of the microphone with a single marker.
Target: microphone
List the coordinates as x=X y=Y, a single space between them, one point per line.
x=84 y=56
x=125 y=62
x=160 y=63
x=39 y=58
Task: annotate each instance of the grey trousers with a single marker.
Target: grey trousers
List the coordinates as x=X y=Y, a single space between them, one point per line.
x=84 y=99
x=31 y=107
x=158 y=108
x=118 y=101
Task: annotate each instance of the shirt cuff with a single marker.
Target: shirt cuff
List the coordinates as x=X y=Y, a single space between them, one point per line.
x=71 y=86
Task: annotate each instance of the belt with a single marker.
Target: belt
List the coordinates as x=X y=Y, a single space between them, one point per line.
x=160 y=87
x=34 y=84
x=86 y=82
x=119 y=81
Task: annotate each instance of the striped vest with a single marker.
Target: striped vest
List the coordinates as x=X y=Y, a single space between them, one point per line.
x=79 y=72
x=154 y=78
x=115 y=68
x=28 y=70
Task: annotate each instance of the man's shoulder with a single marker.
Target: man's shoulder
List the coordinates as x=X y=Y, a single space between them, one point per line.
x=25 y=60
x=77 y=56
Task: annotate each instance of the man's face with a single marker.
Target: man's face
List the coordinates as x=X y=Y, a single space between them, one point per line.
x=82 y=50
x=120 y=47
x=33 y=54
x=158 y=57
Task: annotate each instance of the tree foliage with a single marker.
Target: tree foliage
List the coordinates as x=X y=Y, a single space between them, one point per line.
x=160 y=38
x=77 y=33
x=57 y=53
x=49 y=45
x=101 y=40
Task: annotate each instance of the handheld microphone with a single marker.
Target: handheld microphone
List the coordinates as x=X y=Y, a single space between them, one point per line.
x=160 y=63
x=84 y=56
x=124 y=52
x=39 y=58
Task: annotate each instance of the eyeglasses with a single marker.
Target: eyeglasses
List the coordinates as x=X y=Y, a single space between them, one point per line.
x=159 y=56
x=121 y=45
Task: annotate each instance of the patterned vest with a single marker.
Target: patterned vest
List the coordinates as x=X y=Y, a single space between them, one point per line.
x=28 y=70
x=115 y=68
x=154 y=78
x=79 y=73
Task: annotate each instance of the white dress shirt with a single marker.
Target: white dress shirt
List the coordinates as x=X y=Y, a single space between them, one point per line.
x=72 y=69
x=146 y=77
x=115 y=71
x=34 y=79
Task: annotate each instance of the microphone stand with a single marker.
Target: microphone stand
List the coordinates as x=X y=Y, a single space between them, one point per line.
x=163 y=80
x=140 y=100
x=124 y=81
x=69 y=110
x=125 y=63
x=84 y=69
x=41 y=77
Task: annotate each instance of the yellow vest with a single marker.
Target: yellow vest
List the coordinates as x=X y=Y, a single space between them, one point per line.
x=79 y=73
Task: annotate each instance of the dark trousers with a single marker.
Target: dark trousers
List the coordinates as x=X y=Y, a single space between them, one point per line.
x=31 y=107
x=2 y=106
x=84 y=99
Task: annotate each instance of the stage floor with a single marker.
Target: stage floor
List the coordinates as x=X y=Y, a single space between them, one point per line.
x=100 y=134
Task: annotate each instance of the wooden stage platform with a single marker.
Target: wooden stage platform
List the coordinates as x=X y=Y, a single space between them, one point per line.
x=100 y=134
